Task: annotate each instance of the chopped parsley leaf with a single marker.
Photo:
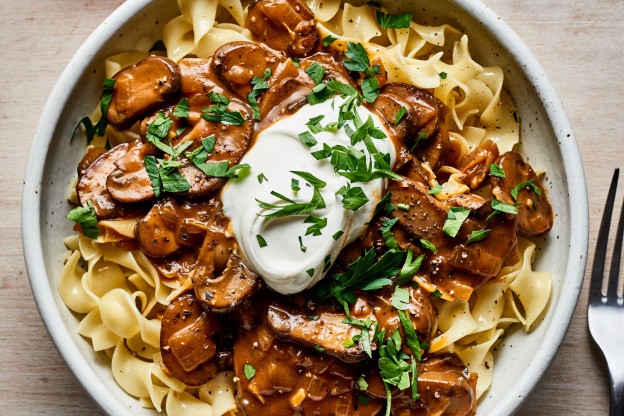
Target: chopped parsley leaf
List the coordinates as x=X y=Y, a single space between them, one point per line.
x=454 y=220
x=400 y=115
x=261 y=241
x=497 y=171
x=249 y=371
x=86 y=218
x=392 y=21
x=477 y=235
x=182 y=109
x=337 y=235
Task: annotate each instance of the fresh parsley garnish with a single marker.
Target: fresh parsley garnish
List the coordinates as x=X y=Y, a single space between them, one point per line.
x=436 y=189
x=358 y=60
x=437 y=293
x=294 y=185
x=404 y=207
x=307 y=139
x=301 y=246
x=262 y=178
x=261 y=241
x=370 y=89
x=400 y=115
x=392 y=21
x=385 y=204
x=497 y=171
x=443 y=75
x=182 y=109
x=317 y=225
x=426 y=244
x=388 y=237
x=400 y=298
x=499 y=206
x=100 y=127
x=477 y=235
x=352 y=198
x=316 y=72
x=259 y=85
x=249 y=371
x=454 y=220
x=293 y=208
x=328 y=40
x=219 y=112
x=310 y=273
x=530 y=183
x=86 y=218
x=311 y=179
x=410 y=268
x=337 y=234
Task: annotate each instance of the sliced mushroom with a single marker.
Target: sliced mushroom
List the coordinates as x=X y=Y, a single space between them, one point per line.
x=322 y=326
x=130 y=181
x=294 y=380
x=178 y=266
x=231 y=143
x=92 y=154
x=237 y=63
x=188 y=341
x=435 y=150
x=222 y=280
x=140 y=89
x=535 y=214
x=476 y=165
x=170 y=224
x=332 y=63
x=284 y=25
x=445 y=387
x=92 y=184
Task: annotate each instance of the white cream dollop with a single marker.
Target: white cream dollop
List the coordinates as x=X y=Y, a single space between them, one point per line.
x=276 y=152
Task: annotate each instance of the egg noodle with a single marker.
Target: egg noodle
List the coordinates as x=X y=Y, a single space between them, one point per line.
x=122 y=295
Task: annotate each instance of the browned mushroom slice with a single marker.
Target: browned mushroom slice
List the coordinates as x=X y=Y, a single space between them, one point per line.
x=445 y=387
x=187 y=340
x=535 y=214
x=294 y=380
x=284 y=25
x=141 y=88
x=322 y=327
x=178 y=266
x=389 y=106
x=476 y=165
x=130 y=181
x=92 y=184
x=156 y=232
x=231 y=143
x=434 y=151
x=222 y=280
x=333 y=66
x=419 y=309
x=289 y=86
x=172 y=223
x=92 y=154
x=237 y=63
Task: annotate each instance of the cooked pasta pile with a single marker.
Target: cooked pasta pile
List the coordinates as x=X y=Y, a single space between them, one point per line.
x=122 y=294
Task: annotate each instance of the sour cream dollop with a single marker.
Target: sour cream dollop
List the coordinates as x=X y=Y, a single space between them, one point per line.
x=284 y=265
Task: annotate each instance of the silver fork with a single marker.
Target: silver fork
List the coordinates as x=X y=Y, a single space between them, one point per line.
x=605 y=313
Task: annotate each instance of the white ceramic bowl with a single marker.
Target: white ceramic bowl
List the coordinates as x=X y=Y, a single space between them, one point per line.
x=548 y=142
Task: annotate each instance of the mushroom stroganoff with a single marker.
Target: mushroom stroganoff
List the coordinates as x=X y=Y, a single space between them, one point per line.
x=306 y=209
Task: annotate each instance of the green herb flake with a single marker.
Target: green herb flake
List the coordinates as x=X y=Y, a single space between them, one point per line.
x=151 y=166
x=426 y=244
x=318 y=225
x=391 y=21
x=400 y=115
x=437 y=293
x=319 y=348
x=400 y=298
x=436 y=189
x=404 y=207
x=348 y=343
x=477 y=235
x=443 y=75
x=182 y=109
x=312 y=317
x=262 y=178
x=261 y=241
x=364 y=400
x=370 y=89
x=352 y=198
x=337 y=235
x=530 y=183
x=385 y=205
x=259 y=85
x=499 y=206
x=302 y=247
x=249 y=371
x=410 y=268
x=497 y=171
x=307 y=139
x=361 y=383
x=316 y=72
x=454 y=220
x=311 y=179
x=294 y=185
x=328 y=40
x=86 y=218
x=295 y=61
x=358 y=60
x=310 y=272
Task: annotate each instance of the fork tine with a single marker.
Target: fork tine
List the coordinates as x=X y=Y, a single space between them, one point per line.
x=614 y=271
x=595 y=288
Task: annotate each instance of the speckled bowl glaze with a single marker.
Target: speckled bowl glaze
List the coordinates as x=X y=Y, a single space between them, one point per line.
x=547 y=141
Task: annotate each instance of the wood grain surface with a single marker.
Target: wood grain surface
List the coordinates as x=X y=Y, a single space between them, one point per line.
x=578 y=42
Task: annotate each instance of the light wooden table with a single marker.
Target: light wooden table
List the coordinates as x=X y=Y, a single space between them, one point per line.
x=578 y=42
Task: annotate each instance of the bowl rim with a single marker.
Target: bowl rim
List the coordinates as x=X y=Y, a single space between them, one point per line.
x=497 y=28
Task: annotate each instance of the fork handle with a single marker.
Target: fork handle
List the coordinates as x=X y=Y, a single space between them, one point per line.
x=617 y=397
